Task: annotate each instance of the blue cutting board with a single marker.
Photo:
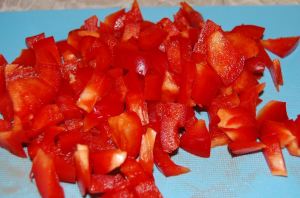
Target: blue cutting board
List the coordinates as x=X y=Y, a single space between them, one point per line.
x=219 y=176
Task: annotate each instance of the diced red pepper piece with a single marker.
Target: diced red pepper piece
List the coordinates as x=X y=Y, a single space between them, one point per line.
x=27 y=97
x=226 y=60
x=282 y=47
x=102 y=111
x=135 y=102
x=174 y=55
x=236 y=118
x=107 y=160
x=255 y=64
x=192 y=16
x=65 y=171
x=102 y=183
x=245 y=45
x=135 y=81
x=206 y=85
x=245 y=134
x=151 y=38
x=49 y=115
x=134 y=14
x=186 y=84
x=63 y=46
x=293 y=147
x=196 y=140
x=251 y=31
x=276 y=74
x=229 y=101
x=46 y=179
x=5 y=125
x=273 y=110
x=33 y=39
x=249 y=98
x=126 y=131
x=98 y=55
x=273 y=155
x=200 y=47
x=91 y=24
x=153 y=84
x=98 y=86
x=245 y=147
x=245 y=81
x=69 y=141
x=146 y=153
x=44 y=46
x=280 y=129
x=26 y=58
x=49 y=74
x=132 y=60
x=132 y=30
x=83 y=168
x=180 y=21
x=123 y=192
x=112 y=19
x=68 y=107
x=11 y=142
x=6 y=107
x=168 y=27
x=133 y=172
x=164 y=162
x=169 y=135
x=170 y=89
x=147 y=189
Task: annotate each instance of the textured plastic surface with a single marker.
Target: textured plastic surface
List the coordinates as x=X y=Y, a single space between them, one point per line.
x=219 y=176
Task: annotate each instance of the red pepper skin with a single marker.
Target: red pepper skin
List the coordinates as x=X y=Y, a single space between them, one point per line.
x=282 y=47
x=65 y=171
x=46 y=179
x=196 y=140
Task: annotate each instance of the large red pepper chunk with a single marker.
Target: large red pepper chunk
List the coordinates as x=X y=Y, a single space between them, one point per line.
x=126 y=131
x=251 y=31
x=224 y=58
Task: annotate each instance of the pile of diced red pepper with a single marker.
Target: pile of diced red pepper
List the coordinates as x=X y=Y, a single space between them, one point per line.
x=103 y=106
